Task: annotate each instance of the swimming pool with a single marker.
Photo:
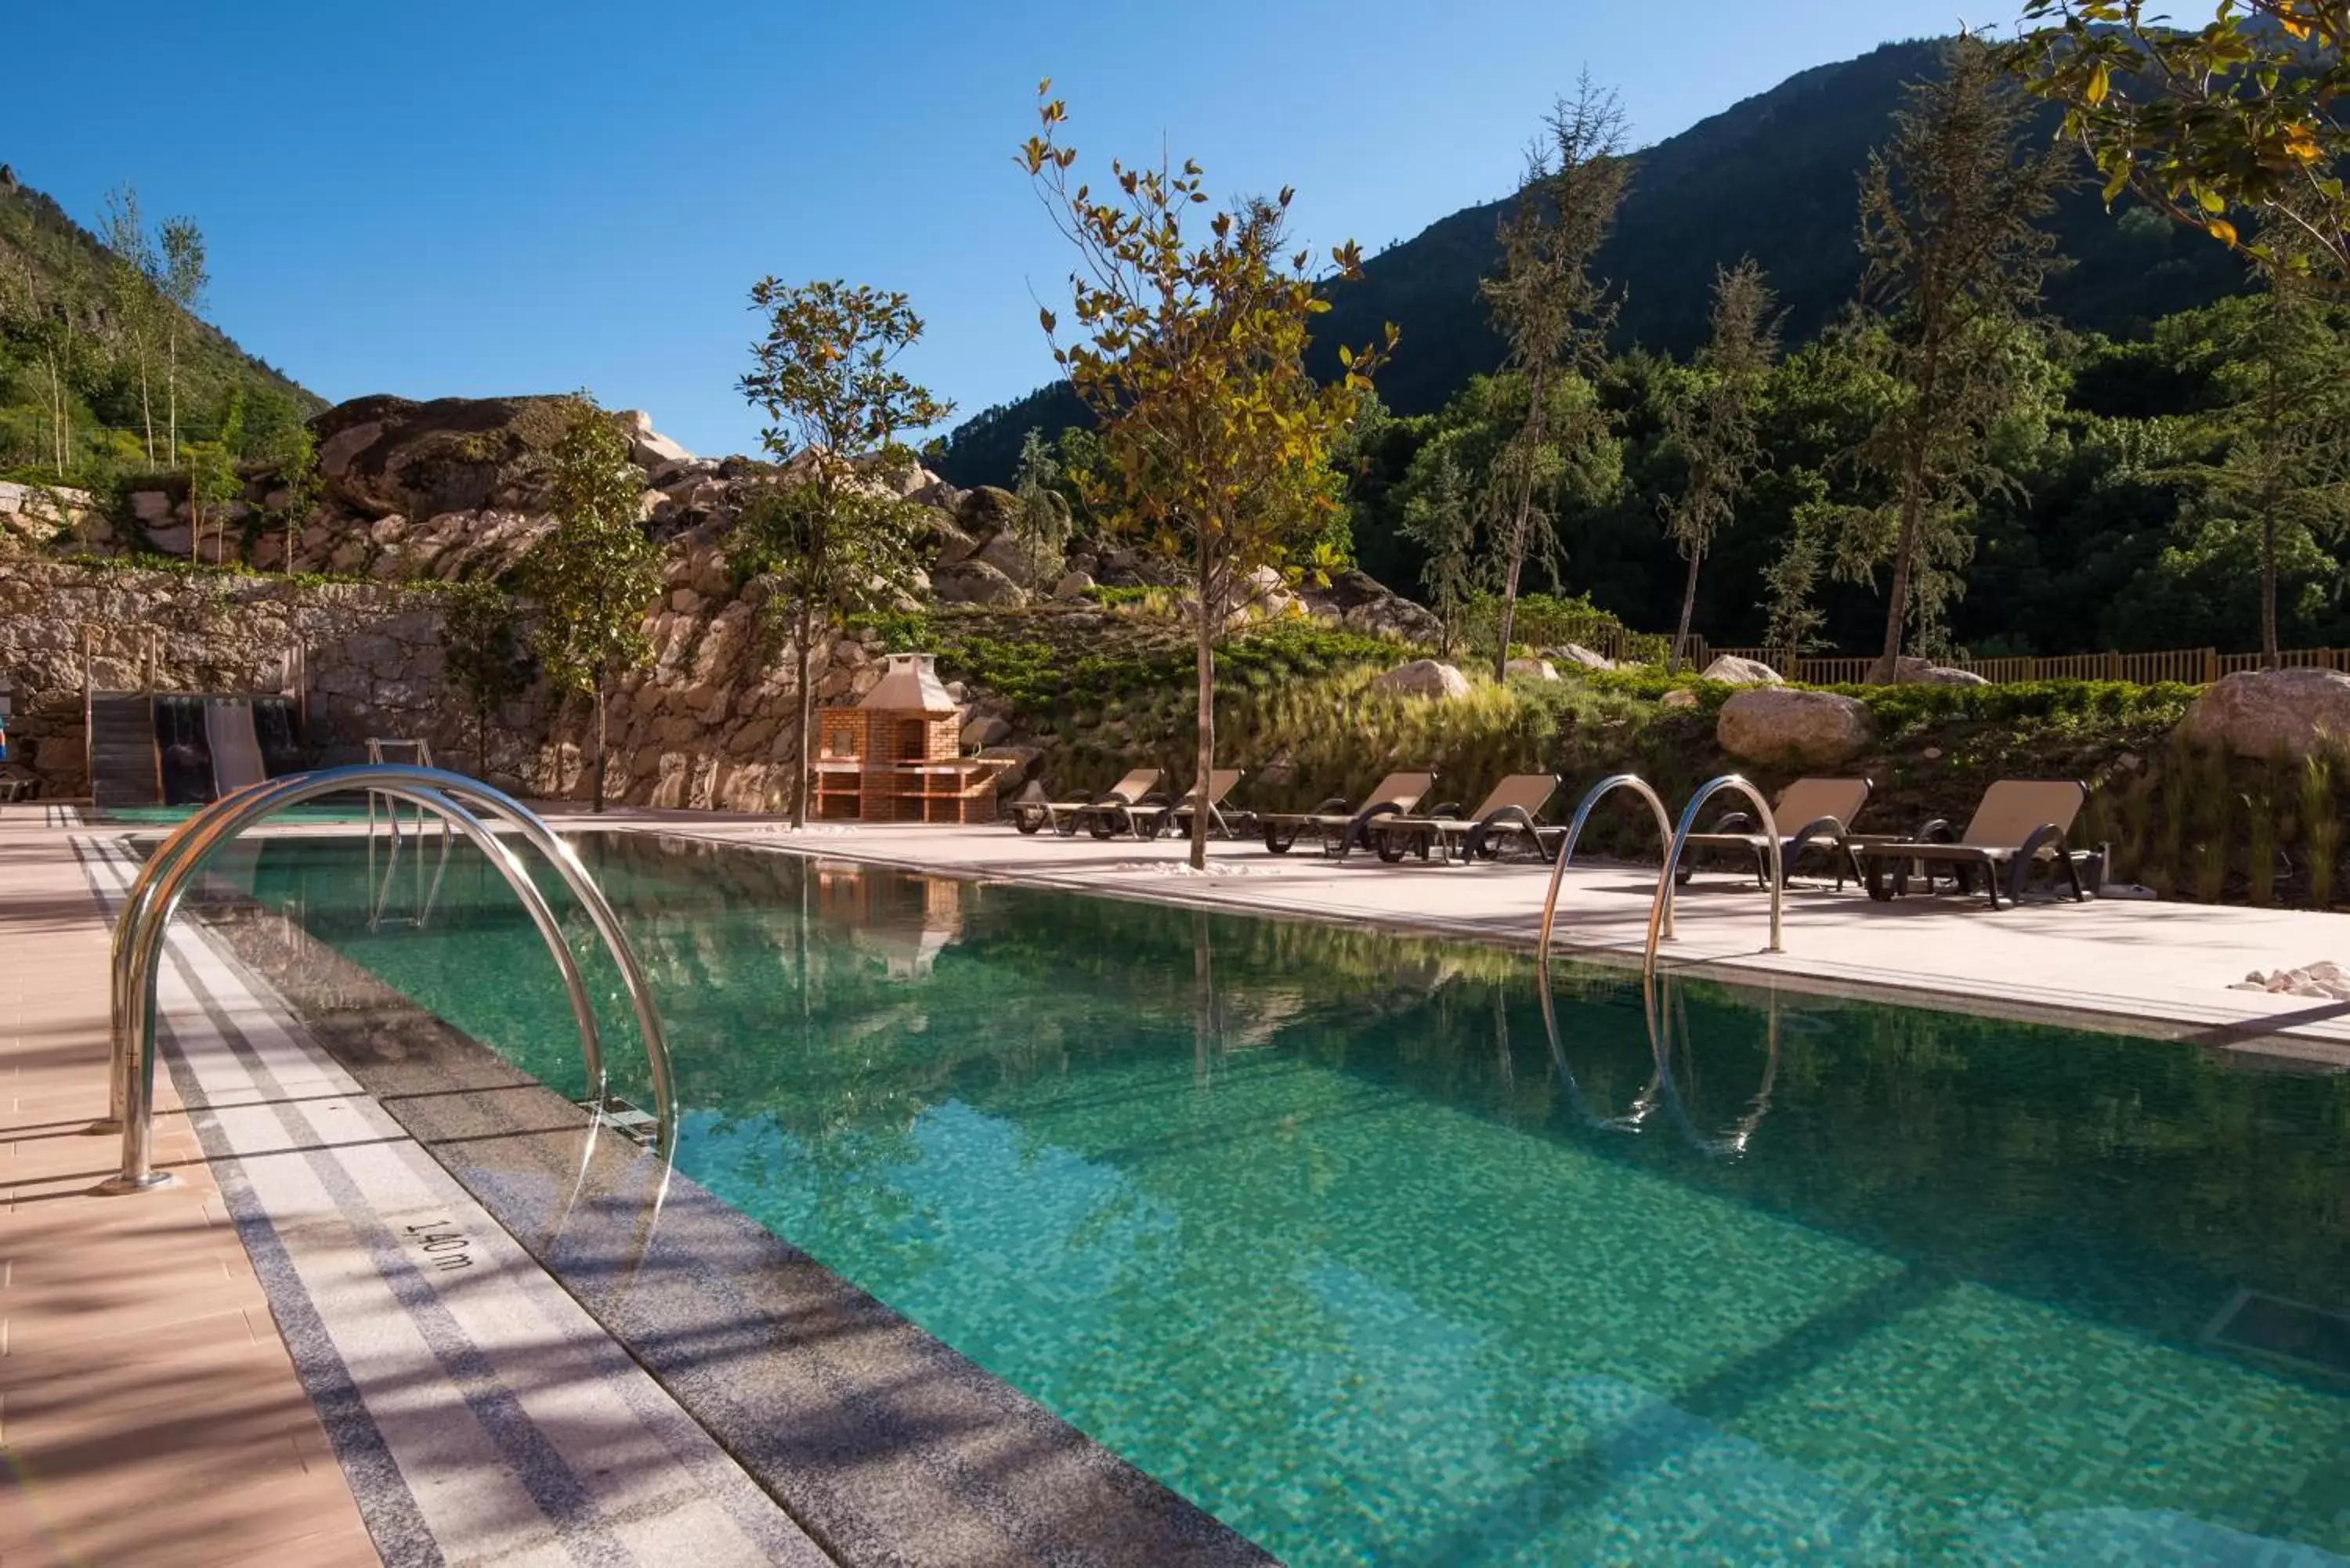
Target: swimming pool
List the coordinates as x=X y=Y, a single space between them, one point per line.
x=1314 y=1226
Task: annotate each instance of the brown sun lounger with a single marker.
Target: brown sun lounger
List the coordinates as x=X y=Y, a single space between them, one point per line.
x=1338 y=829
x=1155 y=814
x=1808 y=813
x=1512 y=810
x=1106 y=814
x=2019 y=823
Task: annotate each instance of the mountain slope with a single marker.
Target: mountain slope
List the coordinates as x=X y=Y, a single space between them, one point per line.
x=43 y=252
x=1775 y=177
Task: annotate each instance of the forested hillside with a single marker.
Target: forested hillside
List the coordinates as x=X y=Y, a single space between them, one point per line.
x=105 y=359
x=1774 y=177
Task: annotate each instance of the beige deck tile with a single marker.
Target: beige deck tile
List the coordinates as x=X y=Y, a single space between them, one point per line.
x=150 y=1413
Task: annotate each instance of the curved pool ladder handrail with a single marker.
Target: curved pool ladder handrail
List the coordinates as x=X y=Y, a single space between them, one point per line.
x=209 y=828
x=1671 y=1018
x=155 y=898
x=1640 y=787
x=1644 y=1103
x=1660 y=910
x=136 y=1024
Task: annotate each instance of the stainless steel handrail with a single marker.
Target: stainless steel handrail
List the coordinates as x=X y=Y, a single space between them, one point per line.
x=156 y=895
x=207 y=829
x=1660 y=912
x=1640 y=787
x=136 y=1025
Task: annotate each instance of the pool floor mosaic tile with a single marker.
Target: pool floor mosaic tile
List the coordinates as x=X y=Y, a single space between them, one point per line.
x=1328 y=1232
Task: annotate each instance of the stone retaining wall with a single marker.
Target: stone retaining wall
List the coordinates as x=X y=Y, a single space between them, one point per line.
x=374 y=655
x=709 y=726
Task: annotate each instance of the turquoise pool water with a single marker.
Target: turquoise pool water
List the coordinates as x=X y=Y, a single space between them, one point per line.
x=1315 y=1226
x=172 y=816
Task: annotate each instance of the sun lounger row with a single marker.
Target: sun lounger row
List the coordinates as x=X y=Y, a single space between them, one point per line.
x=2020 y=823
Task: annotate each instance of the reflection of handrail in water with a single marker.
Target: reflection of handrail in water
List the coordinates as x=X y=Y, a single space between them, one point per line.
x=1660 y=1089
x=1639 y=786
x=1670 y=1017
x=427 y=900
x=1644 y=1103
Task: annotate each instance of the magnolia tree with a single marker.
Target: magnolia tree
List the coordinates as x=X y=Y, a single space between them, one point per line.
x=597 y=574
x=1188 y=348
x=833 y=535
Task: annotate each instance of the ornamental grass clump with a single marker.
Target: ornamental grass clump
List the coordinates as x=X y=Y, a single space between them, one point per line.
x=2321 y=826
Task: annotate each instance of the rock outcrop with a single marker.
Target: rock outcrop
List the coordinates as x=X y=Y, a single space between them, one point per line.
x=1923 y=672
x=2271 y=712
x=1582 y=658
x=1736 y=672
x=1783 y=728
x=1532 y=670
x=1423 y=677
x=1360 y=602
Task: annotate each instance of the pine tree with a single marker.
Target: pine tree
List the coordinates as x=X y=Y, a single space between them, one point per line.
x=1955 y=257
x=1443 y=521
x=1715 y=429
x=1554 y=316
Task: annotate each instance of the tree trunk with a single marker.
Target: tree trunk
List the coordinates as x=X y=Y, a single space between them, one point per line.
x=1689 y=609
x=1896 y=612
x=2271 y=484
x=1206 y=761
x=146 y=413
x=1519 y=525
x=2270 y=657
x=172 y=394
x=598 y=806
x=807 y=714
x=60 y=433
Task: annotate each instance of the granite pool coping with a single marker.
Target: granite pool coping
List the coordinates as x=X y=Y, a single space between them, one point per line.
x=886 y=1446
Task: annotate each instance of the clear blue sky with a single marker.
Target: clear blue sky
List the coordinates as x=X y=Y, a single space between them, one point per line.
x=434 y=198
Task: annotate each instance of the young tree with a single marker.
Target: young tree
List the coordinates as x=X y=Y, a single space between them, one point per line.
x=835 y=538
x=184 y=282
x=1552 y=314
x=212 y=484
x=1955 y=256
x=597 y=574
x=1441 y=519
x=274 y=434
x=1190 y=354
x=2235 y=126
x=131 y=292
x=482 y=655
x=1043 y=522
x=45 y=311
x=1715 y=429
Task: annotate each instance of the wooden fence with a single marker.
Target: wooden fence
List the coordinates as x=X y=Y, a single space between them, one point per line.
x=2191 y=666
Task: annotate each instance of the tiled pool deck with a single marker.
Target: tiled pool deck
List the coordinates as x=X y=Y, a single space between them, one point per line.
x=150 y=1413
x=2145 y=967
x=149 y=1409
